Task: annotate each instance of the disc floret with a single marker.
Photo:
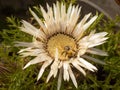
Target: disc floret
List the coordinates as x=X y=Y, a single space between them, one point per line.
x=65 y=44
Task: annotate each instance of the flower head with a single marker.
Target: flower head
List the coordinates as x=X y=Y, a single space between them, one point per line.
x=61 y=43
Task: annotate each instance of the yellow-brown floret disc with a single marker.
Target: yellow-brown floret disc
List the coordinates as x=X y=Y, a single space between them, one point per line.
x=65 y=44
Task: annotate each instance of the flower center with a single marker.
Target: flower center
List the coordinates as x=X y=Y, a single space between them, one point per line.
x=65 y=44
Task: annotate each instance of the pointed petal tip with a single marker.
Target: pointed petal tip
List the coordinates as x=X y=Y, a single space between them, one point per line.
x=105 y=63
x=94 y=69
x=106 y=33
x=40 y=74
x=76 y=86
x=89 y=14
x=47 y=80
x=106 y=54
x=24 y=68
x=23 y=21
x=30 y=9
x=27 y=65
x=94 y=18
x=38 y=78
x=84 y=73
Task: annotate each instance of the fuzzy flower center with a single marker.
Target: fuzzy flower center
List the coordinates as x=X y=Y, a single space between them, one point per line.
x=65 y=44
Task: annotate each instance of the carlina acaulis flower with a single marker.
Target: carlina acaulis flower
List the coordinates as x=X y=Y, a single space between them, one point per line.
x=61 y=43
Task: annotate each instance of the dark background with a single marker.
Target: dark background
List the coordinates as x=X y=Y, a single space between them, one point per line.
x=19 y=8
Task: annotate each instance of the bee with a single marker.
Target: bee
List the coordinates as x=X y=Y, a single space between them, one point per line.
x=118 y=2
x=68 y=52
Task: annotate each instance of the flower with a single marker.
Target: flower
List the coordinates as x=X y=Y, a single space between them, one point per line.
x=61 y=42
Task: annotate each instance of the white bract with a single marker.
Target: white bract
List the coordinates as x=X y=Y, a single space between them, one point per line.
x=62 y=43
